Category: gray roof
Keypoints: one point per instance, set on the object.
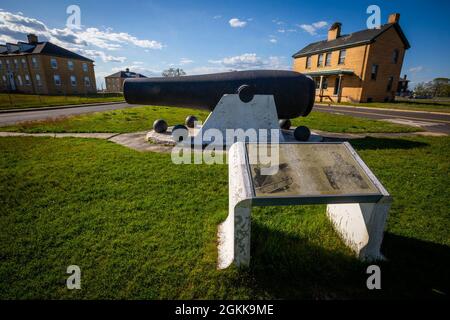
(351, 40)
(48, 48)
(126, 74)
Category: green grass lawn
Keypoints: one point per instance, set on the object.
(20, 101)
(406, 104)
(141, 227)
(141, 118)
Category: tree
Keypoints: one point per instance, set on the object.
(438, 87)
(172, 72)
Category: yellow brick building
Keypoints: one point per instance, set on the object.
(36, 67)
(363, 66)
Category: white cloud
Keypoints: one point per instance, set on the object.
(217, 17)
(15, 27)
(250, 61)
(184, 61)
(138, 68)
(93, 54)
(312, 28)
(236, 23)
(273, 40)
(320, 24)
(416, 69)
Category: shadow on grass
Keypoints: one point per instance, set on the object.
(372, 143)
(288, 267)
(416, 267)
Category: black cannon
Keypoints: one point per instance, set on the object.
(293, 92)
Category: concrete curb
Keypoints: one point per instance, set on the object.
(385, 109)
(60, 107)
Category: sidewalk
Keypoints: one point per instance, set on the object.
(376, 108)
(59, 107)
(137, 140)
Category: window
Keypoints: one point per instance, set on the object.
(374, 72)
(4, 78)
(24, 63)
(308, 62)
(27, 80)
(328, 59)
(7, 64)
(342, 54)
(54, 63)
(1, 64)
(395, 56)
(19, 80)
(57, 79)
(87, 81)
(389, 85)
(325, 83)
(16, 64)
(320, 60)
(85, 67)
(34, 62)
(73, 81)
(38, 80)
(70, 64)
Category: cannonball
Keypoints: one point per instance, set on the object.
(190, 121)
(302, 133)
(180, 132)
(285, 124)
(160, 126)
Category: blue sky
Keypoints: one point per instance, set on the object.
(211, 36)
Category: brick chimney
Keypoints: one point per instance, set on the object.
(32, 38)
(394, 18)
(334, 31)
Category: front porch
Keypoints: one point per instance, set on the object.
(330, 85)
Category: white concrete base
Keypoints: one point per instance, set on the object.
(232, 113)
(234, 233)
(361, 226)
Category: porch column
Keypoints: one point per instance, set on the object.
(340, 88)
(320, 88)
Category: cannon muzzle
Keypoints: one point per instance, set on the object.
(293, 92)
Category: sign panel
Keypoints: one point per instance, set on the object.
(310, 170)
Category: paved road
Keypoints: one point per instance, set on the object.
(15, 117)
(433, 122)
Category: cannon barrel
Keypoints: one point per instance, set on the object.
(293, 92)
